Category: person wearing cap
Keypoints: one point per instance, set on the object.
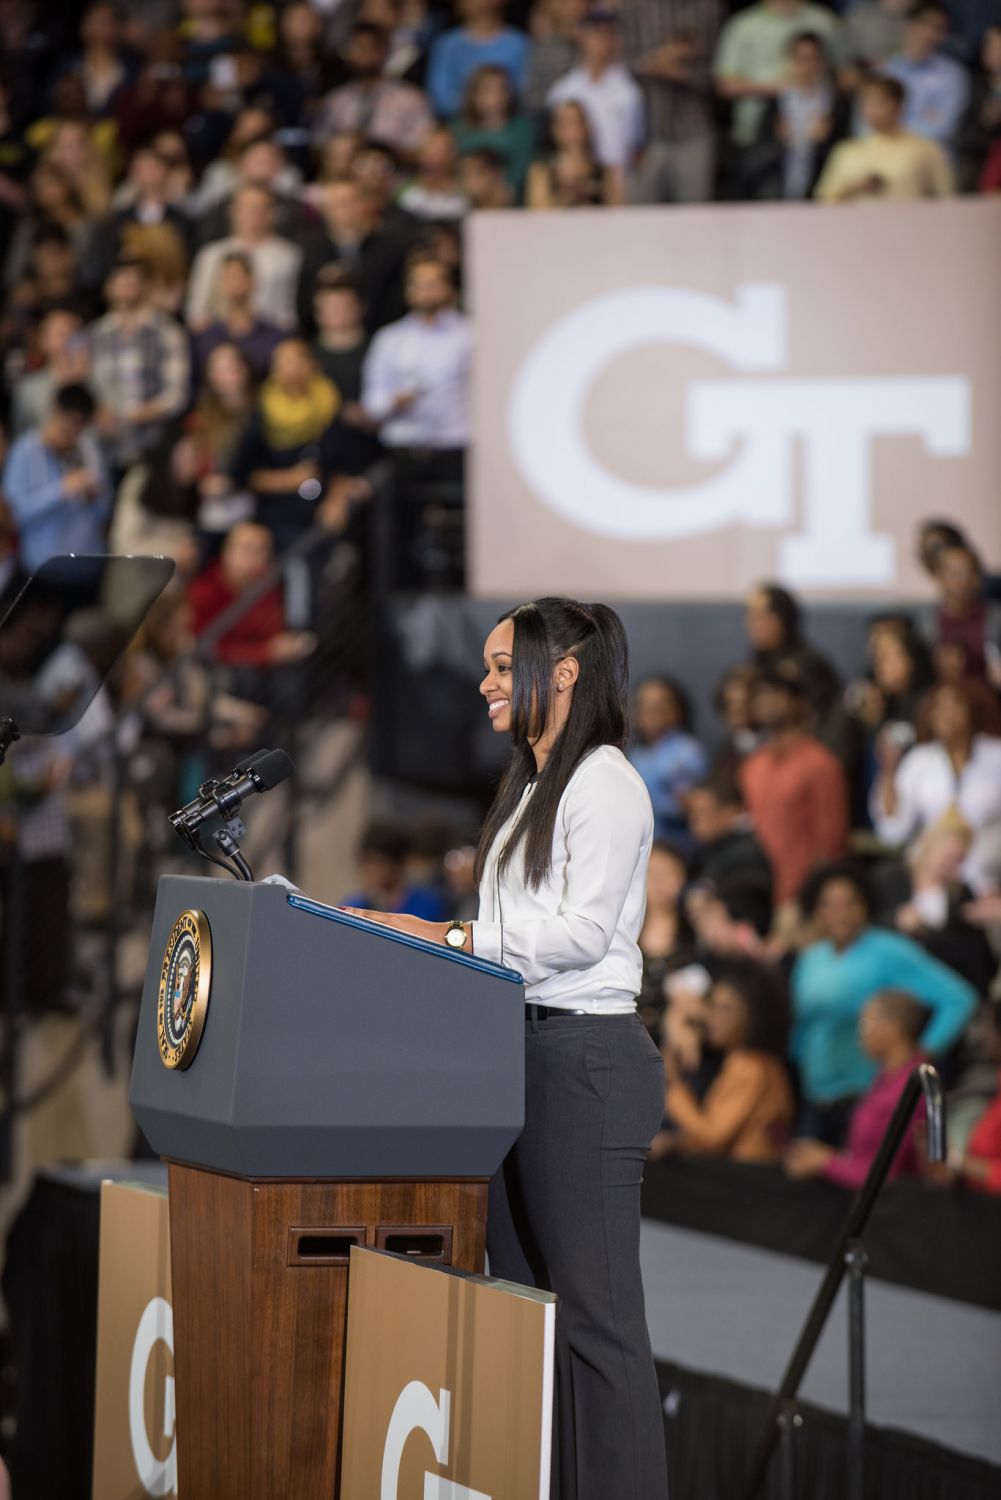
(605, 89)
(794, 787)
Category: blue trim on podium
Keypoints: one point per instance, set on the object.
(440, 950)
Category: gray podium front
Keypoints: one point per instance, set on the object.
(349, 1086)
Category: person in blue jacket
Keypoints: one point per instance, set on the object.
(483, 40)
(834, 977)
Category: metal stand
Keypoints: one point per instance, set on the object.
(856, 1261)
(789, 1420)
(226, 839)
(923, 1081)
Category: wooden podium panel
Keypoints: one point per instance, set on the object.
(260, 1275)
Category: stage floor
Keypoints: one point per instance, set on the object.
(723, 1308)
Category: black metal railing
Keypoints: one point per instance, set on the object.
(848, 1259)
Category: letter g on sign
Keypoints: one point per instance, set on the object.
(416, 1410)
(546, 412)
(157, 1476)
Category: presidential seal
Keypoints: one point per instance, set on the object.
(185, 977)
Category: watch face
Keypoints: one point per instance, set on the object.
(455, 937)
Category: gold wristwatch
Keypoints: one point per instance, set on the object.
(457, 935)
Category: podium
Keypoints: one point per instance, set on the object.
(315, 1082)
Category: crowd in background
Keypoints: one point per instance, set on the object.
(233, 330)
(824, 893)
(824, 903)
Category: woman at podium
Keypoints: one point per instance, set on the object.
(562, 869)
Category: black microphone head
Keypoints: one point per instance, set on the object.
(251, 760)
(269, 768)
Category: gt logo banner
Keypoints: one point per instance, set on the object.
(681, 402)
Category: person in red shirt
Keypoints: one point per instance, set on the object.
(981, 1165)
(259, 637)
(794, 787)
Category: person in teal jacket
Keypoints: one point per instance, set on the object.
(831, 982)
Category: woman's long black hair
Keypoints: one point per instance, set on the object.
(545, 631)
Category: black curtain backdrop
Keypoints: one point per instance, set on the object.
(50, 1287)
(713, 1425)
(943, 1241)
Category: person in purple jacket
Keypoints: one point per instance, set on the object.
(889, 1029)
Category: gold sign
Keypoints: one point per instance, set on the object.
(448, 1388)
(134, 1436)
(185, 977)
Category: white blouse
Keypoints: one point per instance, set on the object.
(927, 786)
(575, 939)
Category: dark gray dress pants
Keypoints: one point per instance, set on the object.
(564, 1215)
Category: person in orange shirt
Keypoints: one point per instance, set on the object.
(748, 1111)
(794, 787)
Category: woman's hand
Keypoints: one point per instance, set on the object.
(431, 932)
(908, 919)
(664, 1143)
(807, 1158)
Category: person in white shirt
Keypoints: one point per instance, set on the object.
(275, 260)
(415, 384)
(956, 767)
(606, 90)
(562, 867)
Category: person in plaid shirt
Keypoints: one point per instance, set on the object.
(669, 45)
(139, 367)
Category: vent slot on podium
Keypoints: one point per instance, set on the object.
(430, 1242)
(322, 1246)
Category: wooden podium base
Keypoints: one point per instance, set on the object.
(259, 1272)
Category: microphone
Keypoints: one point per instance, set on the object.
(223, 799)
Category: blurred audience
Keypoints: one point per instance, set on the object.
(258, 637)
(236, 321)
(936, 87)
(720, 825)
(567, 173)
(888, 161)
(667, 755)
(482, 40)
(964, 631)
(955, 764)
(609, 95)
(794, 788)
(140, 367)
(382, 866)
(56, 483)
(889, 1028)
(275, 263)
(801, 126)
(748, 1110)
(382, 109)
(490, 121)
(669, 45)
(416, 373)
(666, 938)
(833, 979)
